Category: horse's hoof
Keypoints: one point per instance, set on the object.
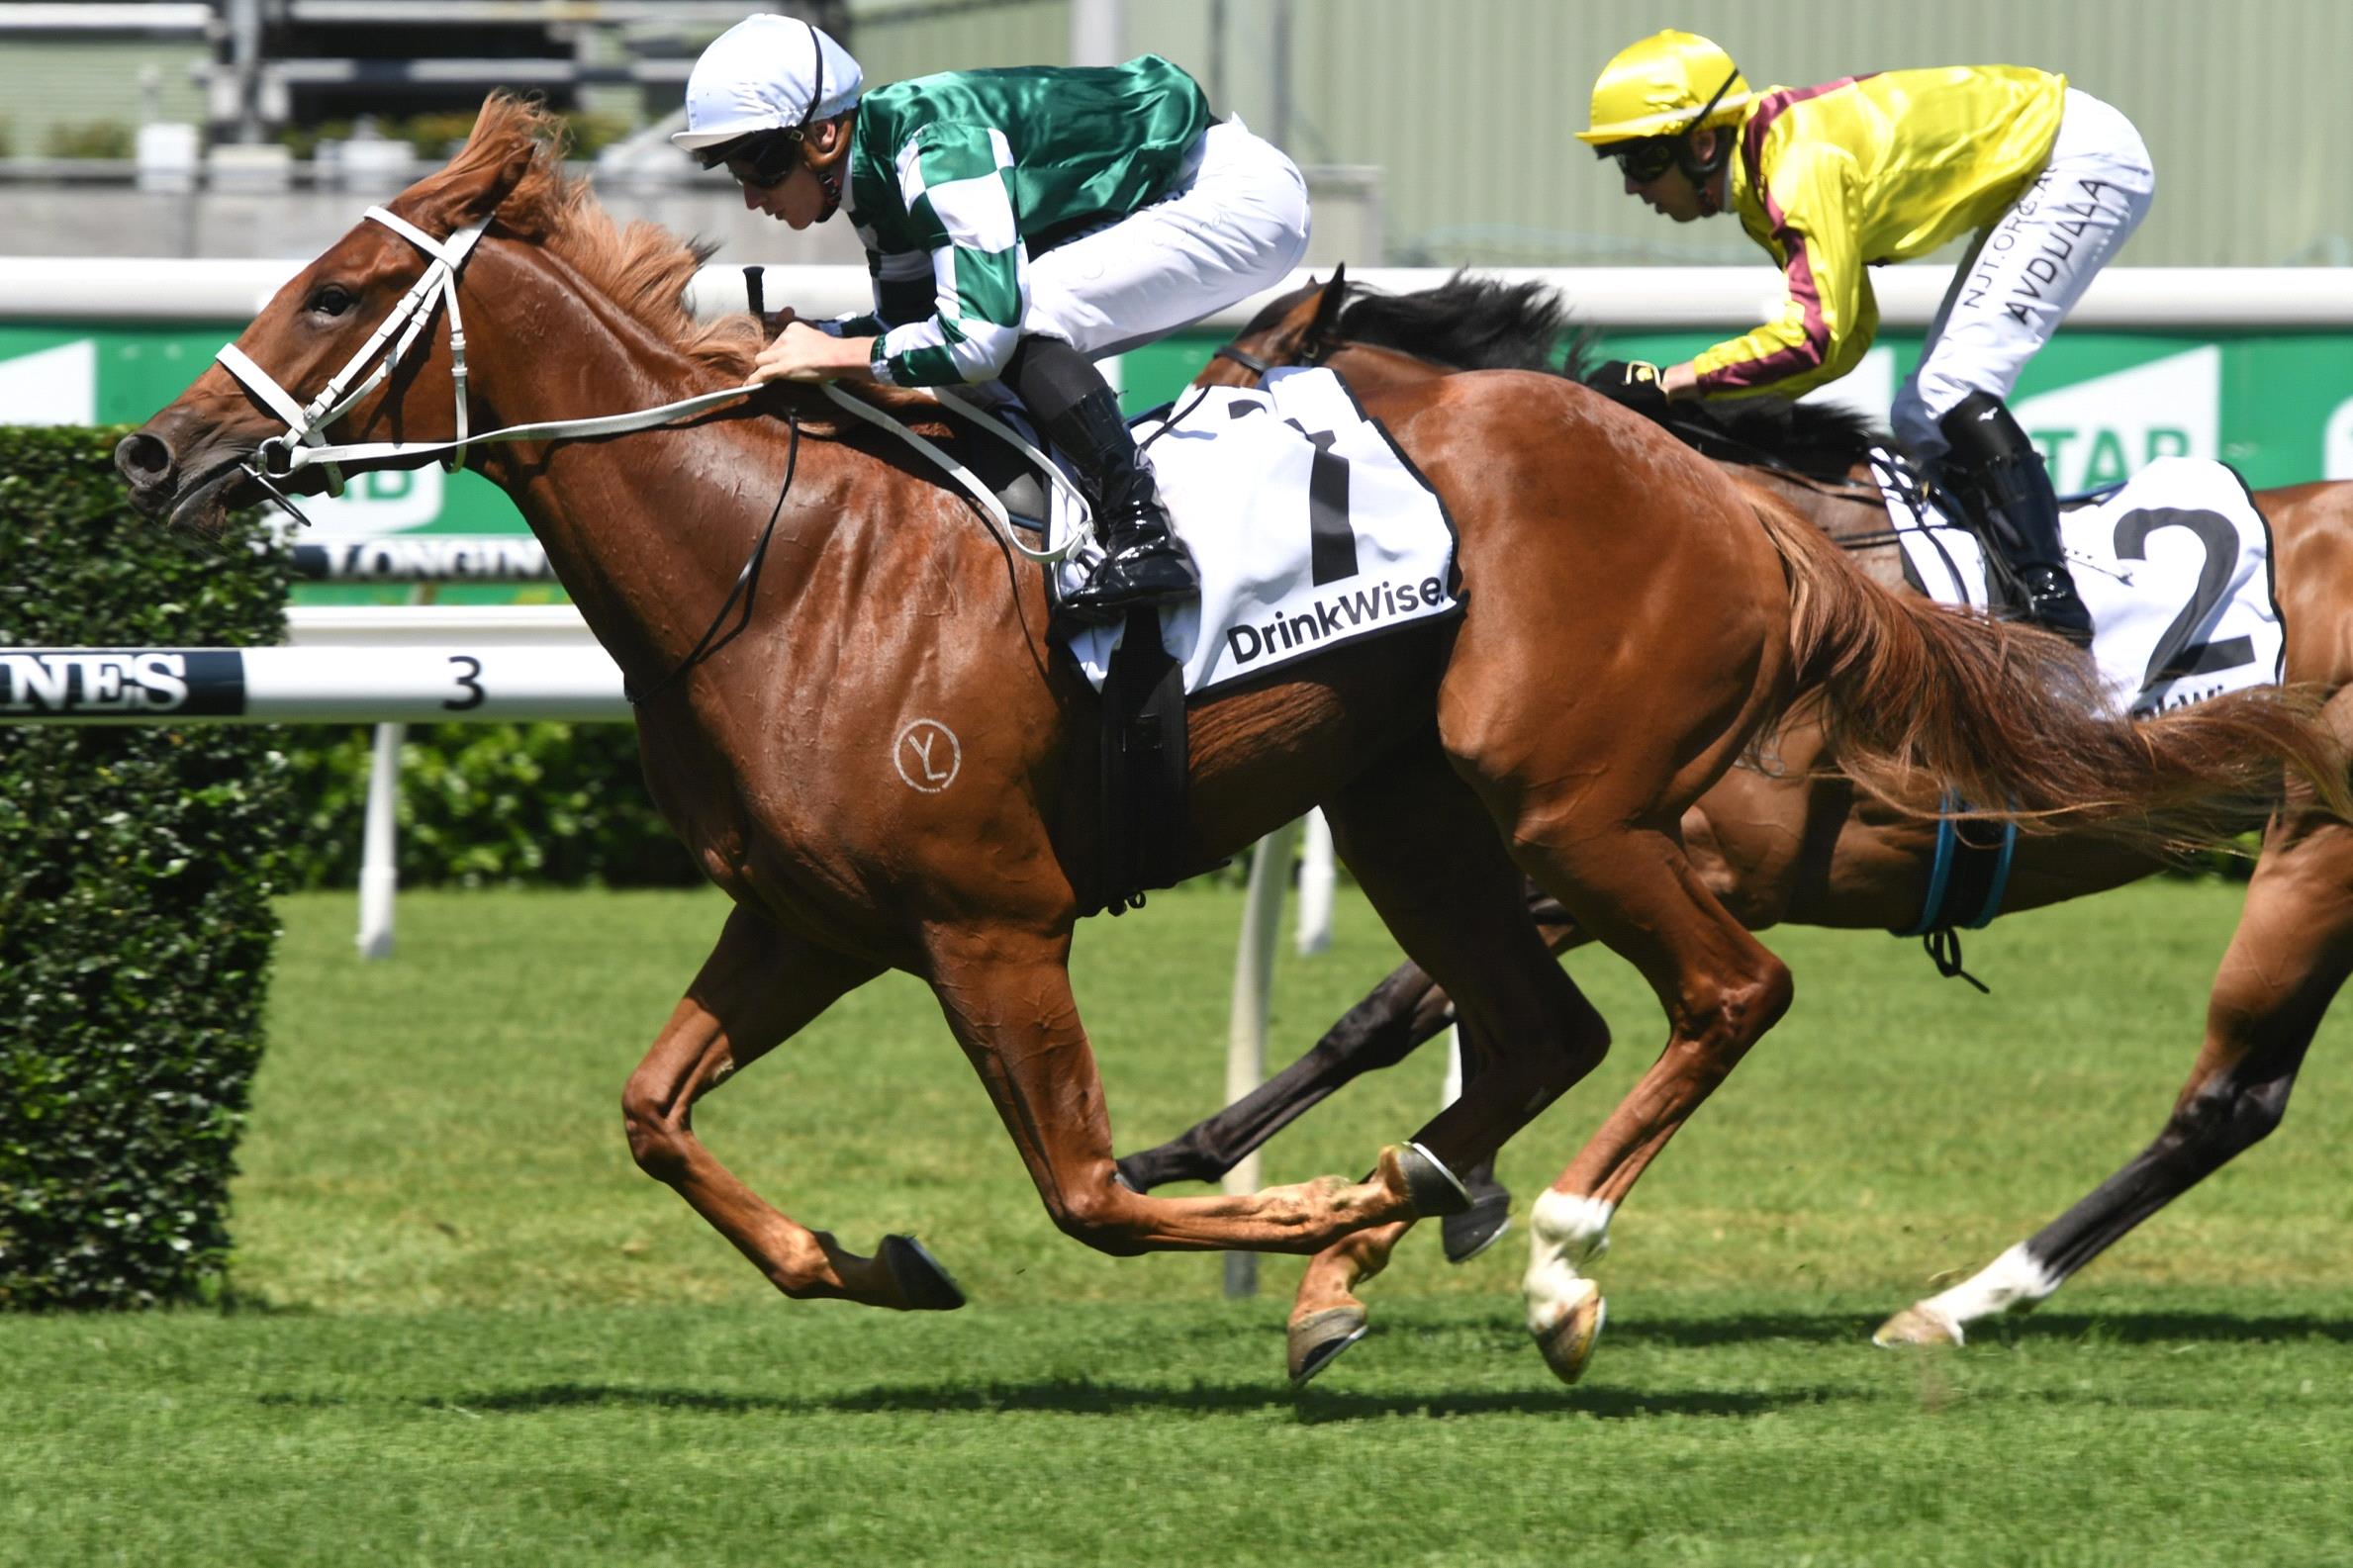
(1477, 1228)
(1317, 1339)
(1568, 1338)
(1917, 1325)
(926, 1286)
(1430, 1187)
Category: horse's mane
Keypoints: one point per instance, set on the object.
(1473, 324)
(1484, 324)
(641, 267)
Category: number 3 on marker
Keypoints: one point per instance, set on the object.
(469, 680)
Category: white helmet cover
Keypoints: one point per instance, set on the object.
(759, 75)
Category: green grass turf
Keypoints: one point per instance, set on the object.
(466, 1330)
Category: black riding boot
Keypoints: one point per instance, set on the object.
(1996, 473)
(1143, 563)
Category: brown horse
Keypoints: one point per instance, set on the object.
(1797, 842)
(872, 745)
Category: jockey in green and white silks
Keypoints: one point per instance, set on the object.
(1018, 224)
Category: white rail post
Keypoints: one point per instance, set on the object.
(379, 848)
(1246, 1025)
(1317, 876)
(379, 837)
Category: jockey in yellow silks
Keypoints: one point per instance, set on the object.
(1833, 179)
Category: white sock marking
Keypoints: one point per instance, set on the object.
(2009, 1282)
(1566, 1231)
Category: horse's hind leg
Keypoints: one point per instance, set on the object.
(1005, 990)
(1399, 1014)
(2285, 962)
(759, 986)
(1428, 858)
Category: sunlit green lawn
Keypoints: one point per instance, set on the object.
(465, 1329)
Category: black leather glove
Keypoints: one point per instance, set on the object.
(1634, 383)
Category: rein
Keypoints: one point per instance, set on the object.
(1250, 362)
(747, 585)
(305, 444)
(1698, 436)
(1310, 357)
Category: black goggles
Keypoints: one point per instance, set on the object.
(1645, 160)
(763, 160)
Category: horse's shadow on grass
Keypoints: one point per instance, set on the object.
(1081, 1397)
(2168, 1328)
(2103, 1328)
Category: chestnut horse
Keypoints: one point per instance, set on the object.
(1800, 843)
(870, 743)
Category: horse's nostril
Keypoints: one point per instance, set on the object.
(142, 459)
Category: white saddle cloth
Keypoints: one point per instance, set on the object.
(1310, 529)
(2175, 567)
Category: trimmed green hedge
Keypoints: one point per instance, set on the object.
(483, 804)
(135, 871)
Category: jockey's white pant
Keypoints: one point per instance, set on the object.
(1234, 223)
(2026, 270)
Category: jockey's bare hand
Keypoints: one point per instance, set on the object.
(802, 353)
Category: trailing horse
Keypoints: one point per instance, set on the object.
(871, 744)
(1799, 843)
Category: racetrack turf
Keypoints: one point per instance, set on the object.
(463, 1329)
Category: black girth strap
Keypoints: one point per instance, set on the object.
(1145, 768)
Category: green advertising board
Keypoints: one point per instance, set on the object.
(68, 374)
(2277, 406)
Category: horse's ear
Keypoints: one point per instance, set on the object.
(503, 175)
(1328, 306)
(476, 181)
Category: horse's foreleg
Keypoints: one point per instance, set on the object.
(758, 987)
(1427, 855)
(1007, 998)
(2286, 961)
(1722, 991)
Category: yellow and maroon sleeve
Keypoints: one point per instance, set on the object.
(1827, 321)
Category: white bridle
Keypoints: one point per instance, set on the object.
(305, 444)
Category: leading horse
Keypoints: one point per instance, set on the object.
(1796, 843)
(872, 745)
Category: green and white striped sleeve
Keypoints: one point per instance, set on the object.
(957, 185)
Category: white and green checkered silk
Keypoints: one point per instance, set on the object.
(955, 178)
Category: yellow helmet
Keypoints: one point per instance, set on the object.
(1669, 83)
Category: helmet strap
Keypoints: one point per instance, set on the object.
(1702, 171)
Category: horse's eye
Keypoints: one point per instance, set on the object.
(332, 299)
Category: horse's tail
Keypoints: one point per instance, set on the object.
(1915, 698)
